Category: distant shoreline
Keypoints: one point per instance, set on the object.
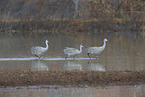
(67, 25)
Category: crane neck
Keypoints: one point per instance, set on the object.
(104, 44)
(46, 45)
(80, 48)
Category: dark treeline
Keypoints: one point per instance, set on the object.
(71, 15)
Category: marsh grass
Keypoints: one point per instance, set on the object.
(60, 16)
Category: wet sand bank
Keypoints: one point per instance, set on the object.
(71, 78)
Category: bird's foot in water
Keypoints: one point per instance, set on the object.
(74, 58)
(97, 58)
(39, 58)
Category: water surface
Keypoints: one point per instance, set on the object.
(123, 91)
(124, 51)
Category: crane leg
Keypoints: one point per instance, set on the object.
(89, 56)
(37, 56)
(97, 57)
(66, 57)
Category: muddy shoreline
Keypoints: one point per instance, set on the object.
(71, 78)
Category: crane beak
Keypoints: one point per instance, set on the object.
(82, 45)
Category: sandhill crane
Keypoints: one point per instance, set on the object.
(72, 51)
(96, 50)
(39, 51)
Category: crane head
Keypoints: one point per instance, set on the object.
(81, 45)
(105, 40)
(47, 41)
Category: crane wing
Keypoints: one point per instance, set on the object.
(70, 50)
(37, 50)
(92, 49)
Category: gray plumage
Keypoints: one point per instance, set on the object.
(96, 50)
(39, 51)
(72, 51)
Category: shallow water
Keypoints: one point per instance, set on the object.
(38, 91)
(124, 51)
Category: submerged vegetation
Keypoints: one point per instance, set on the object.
(71, 15)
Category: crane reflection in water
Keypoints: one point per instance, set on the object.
(72, 65)
(38, 65)
(95, 66)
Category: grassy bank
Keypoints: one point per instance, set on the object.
(71, 78)
(66, 25)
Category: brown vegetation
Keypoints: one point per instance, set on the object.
(71, 78)
(71, 15)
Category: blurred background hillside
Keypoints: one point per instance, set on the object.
(71, 15)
